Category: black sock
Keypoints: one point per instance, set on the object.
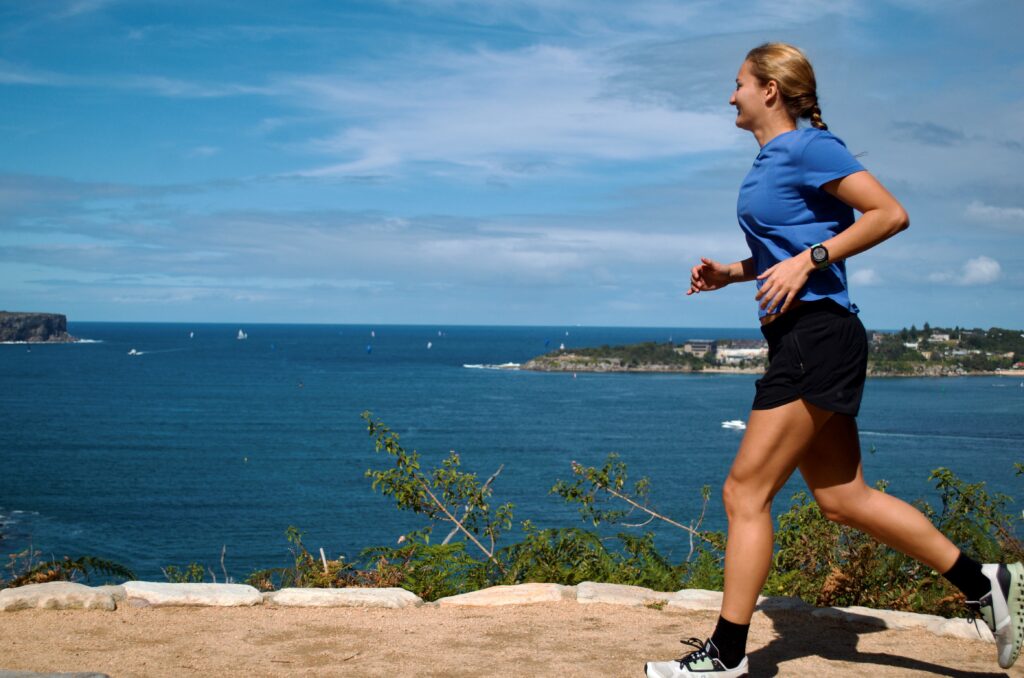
(731, 641)
(966, 575)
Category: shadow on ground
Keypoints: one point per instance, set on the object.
(793, 642)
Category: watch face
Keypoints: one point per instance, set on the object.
(819, 255)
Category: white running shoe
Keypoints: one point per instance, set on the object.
(1002, 609)
(703, 661)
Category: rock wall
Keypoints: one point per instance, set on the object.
(34, 327)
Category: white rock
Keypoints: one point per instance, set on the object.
(512, 595)
(117, 592)
(57, 595)
(961, 628)
(144, 593)
(619, 594)
(345, 597)
(696, 599)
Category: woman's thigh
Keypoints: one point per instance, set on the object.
(832, 466)
(773, 445)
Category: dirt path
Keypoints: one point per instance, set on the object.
(555, 639)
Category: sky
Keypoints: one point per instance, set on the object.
(443, 162)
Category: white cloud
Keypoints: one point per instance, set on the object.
(491, 110)
(606, 19)
(78, 7)
(980, 270)
(203, 151)
(979, 211)
(866, 277)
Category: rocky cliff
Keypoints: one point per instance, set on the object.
(34, 327)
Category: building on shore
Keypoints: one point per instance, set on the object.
(741, 356)
(701, 348)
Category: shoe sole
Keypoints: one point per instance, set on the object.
(1014, 632)
(711, 674)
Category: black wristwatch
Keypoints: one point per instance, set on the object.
(819, 256)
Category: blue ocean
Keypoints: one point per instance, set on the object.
(202, 441)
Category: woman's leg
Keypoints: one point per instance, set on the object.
(832, 470)
(774, 443)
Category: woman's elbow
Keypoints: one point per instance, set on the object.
(900, 220)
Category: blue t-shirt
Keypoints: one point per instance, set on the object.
(783, 210)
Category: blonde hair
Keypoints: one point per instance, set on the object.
(790, 68)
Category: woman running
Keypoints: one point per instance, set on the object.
(796, 208)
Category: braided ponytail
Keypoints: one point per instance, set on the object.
(815, 117)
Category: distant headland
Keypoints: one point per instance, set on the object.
(34, 328)
(908, 352)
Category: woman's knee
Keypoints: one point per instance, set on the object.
(744, 500)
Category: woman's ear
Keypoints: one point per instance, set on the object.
(771, 92)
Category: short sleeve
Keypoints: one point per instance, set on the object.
(826, 158)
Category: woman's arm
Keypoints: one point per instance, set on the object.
(710, 275)
(882, 217)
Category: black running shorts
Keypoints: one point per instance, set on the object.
(819, 352)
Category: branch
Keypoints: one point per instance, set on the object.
(465, 514)
(653, 514)
(646, 522)
(459, 525)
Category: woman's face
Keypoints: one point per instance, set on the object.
(748, 98)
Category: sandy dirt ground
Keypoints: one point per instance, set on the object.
(552, 639)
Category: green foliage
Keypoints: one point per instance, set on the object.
(585, 490)
(995, 340)
(27, 567)
(558, 556)
(193, 573)
(572, 555)
(975, 520)
(431, 571)
(306, 570)
(445, 494)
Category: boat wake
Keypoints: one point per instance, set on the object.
(941, 436)
(502, 366)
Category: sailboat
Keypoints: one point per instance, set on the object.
(242, 335)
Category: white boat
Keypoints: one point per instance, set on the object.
(735, 424)
(191, 334)
(242, 335)
(134, 352)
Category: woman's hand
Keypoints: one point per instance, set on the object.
(709, 276)
(783, 281)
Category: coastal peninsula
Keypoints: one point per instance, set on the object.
(34, 328)
(908, 352)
